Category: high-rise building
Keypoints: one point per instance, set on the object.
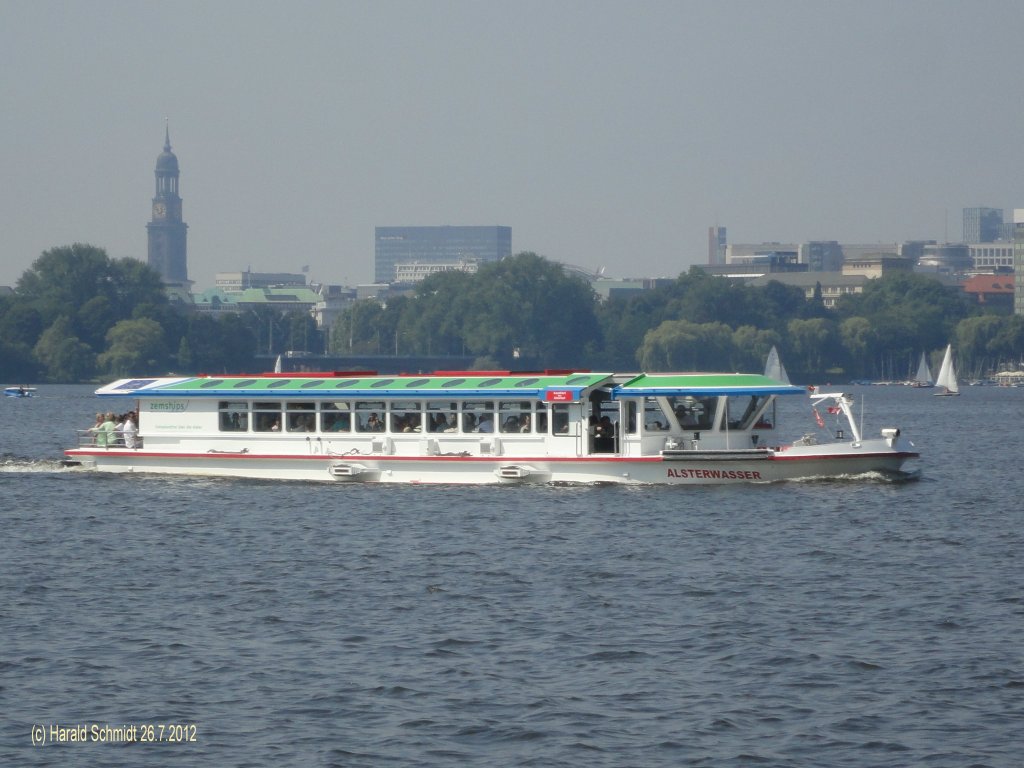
(167, 252)
(436, 245)
(1018, 261)
(982, 225)
(717, 243)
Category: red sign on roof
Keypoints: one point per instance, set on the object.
(558, 396)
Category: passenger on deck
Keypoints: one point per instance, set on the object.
(129, 430)
(105, 434)
(95, 428)
(604, 436)
(486, 425)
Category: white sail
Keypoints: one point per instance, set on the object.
(923, 378)
(277, 365)
(947, 374)
(774, 369)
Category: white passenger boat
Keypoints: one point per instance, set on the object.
(486, 427)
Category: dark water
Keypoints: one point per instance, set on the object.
(837, 623)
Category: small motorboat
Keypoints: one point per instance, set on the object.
(20, 392)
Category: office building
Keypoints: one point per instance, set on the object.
(436, 245)
(717, 243)
(982, 225)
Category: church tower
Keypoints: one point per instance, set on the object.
(167, 247)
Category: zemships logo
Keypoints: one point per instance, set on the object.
(170, 406)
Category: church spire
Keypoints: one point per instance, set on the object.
(167, 134)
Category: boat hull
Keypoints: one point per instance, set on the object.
(675, 468)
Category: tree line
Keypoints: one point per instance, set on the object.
(78, 315)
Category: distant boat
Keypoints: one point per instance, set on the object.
(923, 377)
(20, 392)
(946, 379)
(774, 369)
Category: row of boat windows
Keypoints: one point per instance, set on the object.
(523, 416)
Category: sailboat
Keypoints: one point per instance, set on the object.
(923, 377)
(946, 379)
(774, 369)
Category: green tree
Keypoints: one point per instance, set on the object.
(135, 348)
(751, 346)
(858, 339)
(530, 305)
(17, 363)
(65, 279)
(680, 345)
(64, 356)
(19, 322)
(815, 342)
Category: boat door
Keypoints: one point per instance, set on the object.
(604, 421)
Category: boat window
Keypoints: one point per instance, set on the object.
(301, 417)
(233, 416)
(345, 383)
(244, 383)
(515, 416)
(441, 416)
(577, 380)
(370, 415)
(266, 417)
(211, 383)
(279, 383)
(560, 418)
(453, 382)
(540, 422)
(416, 383)
(406, 416)
(741, 410)
(526, 382)
(655, 419)
(335, 417)
(314, 383)
(694, 412)
(630, 408)
(381, 383)
(478, 416)
(489, 382)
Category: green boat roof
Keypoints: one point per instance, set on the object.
(704, 384)
(557, 387)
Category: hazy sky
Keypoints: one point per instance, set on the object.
(604, 133)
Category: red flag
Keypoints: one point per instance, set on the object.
(833, 409)
(817, 418)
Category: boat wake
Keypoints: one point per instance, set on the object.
(22, 464)
(886, 478)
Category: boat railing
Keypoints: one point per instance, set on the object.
(89, 438)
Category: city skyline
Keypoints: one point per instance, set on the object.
(605, 135)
